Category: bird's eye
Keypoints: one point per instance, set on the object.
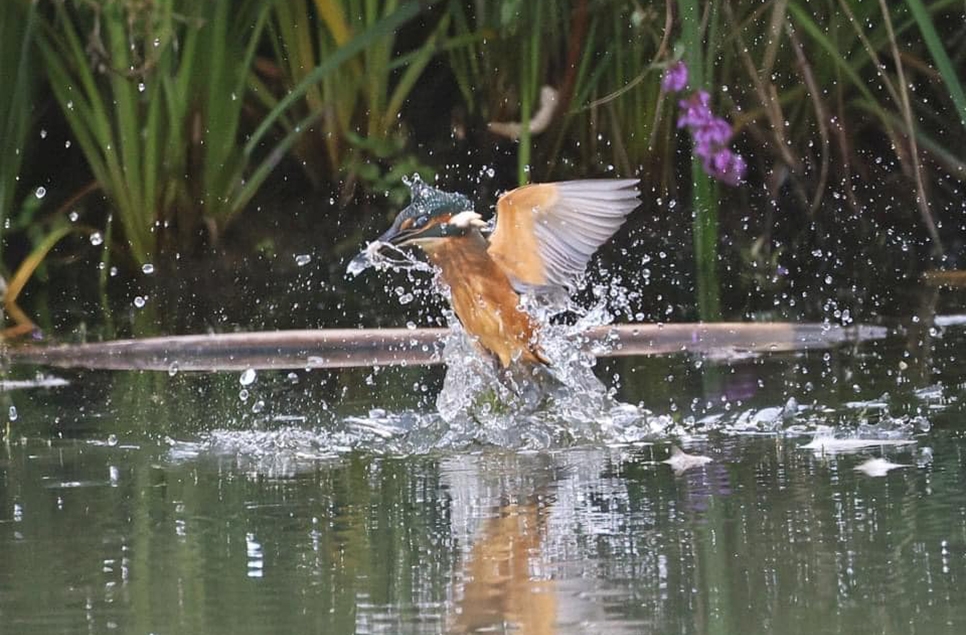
(420, 222)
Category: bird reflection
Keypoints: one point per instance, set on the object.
(504, 587)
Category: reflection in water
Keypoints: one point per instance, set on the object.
(502, 576)
(575, 541)
(171, 503)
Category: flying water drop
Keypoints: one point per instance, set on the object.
(248, 377)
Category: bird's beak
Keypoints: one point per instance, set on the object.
(394, 236)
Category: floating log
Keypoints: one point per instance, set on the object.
(955, 279)
(344, 348)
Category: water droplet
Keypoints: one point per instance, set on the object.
(141, 87)
(173, 369)
(147, 268)
(12, 413)
(41, 192)
(97, 239)
(112, 440)
(303, 259)
(258, 406)
(73, 216)
(43, 134)
(139, 301)
(243, 394)
(248, 377)
(67, 143)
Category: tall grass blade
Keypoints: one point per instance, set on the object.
(158, 111)
(939, 55)
(380, 29)
(16, 36)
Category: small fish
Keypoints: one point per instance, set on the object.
(681, 461)
(377, 254)
(878, 467)
(366, 258)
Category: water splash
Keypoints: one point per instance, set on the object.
(536, 407)
(526, 407)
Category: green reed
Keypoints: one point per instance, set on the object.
(340, 58)
(182, 109)
(939, 55)
(154, 94)
(17, 76)
(855, 47)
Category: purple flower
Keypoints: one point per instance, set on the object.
(711, 137)
(725, 165)
(675, 78)
(714, 133)
(697, 110)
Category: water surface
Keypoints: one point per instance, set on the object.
(318, 501)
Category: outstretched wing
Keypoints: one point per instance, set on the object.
(546, 233)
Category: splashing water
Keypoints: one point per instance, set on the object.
(537, 407)
(480, 404)
(524, 407)
(532, 407)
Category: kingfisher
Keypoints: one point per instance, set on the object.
(542, 238)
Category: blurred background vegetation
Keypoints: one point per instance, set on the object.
(153, 135)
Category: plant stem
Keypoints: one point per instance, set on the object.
(705, 229)
(703, 201)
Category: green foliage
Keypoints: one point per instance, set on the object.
(938, 52)
(341, 57)
(597, 56)
(809, 75)
(183, 109)
(17, 23)
(154, 94)
(383, 165)
(802, 80)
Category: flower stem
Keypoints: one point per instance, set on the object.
(703, 200)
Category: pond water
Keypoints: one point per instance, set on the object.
(324, 501)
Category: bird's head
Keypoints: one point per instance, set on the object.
(430, 218)
(432, 215)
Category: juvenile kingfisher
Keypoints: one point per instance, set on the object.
(543, 237)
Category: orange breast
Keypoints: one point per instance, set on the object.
(484, 301)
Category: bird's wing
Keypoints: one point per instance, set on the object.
(546, 233)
